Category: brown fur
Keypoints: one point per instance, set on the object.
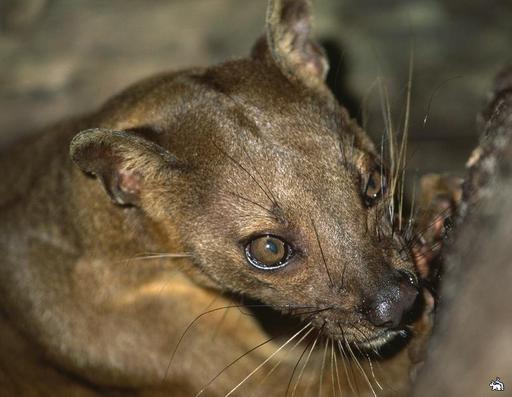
(83, 316)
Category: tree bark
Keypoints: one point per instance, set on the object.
(472, 342)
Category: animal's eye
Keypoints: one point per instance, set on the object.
(267, 252)
(375, 187)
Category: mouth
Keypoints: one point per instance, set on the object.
(386, 341)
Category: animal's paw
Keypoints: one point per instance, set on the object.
(422, 329)
(439, 198)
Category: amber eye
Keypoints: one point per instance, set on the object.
(267, 252)
(375, 187)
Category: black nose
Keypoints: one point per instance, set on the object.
(393, 302)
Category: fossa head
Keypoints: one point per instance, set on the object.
(261, 175)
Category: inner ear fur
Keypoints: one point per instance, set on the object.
(122, 161)
(290, 42)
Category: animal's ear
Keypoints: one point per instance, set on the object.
(123, 162)
(290, 43)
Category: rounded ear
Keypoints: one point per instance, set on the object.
(290, 43)
(122, 162)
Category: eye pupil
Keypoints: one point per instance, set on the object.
(267, 252)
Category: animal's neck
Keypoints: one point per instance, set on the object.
(139, 310)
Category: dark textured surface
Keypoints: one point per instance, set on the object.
(59, 58)
(472, 343)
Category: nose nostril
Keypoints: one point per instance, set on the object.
(383, 314)
(393, 304)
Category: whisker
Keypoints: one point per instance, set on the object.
(388, 123)
(295, 368)
(322, 253)
(252, 202)
(160, 256)
(362, 370)
(419, 233)
(364, 105)
(388, 383)
(243, 169)
(233, 363)
(316, 311)
(405, 133)
(274, 200)
(344, 358)
(390, 133)
(322, 369)
(433, 248)
(337, 372)
(439, 214)
(217, 328)
(197, 318)
(269, 358)
(278, 363)
(183, 336)
(332, 368)
(345, 355)
(256, 216)
(370, 364)
(437, 88)
(408, 230)
(374, 350)
(306, 362)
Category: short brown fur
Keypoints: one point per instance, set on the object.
(194, 163)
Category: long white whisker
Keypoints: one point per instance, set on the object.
(343, 359)
(337, 372)
(162, 256)
(388, 126)
(270, 358)
(230, 365)
(276, 365)
(322, 369)
(410, 222)
(370, 364)
(332, 368)
(362, 370)
(304, 365)
(364, 104)
(405, 135)
(385, 379)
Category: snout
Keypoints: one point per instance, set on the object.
(393, 302)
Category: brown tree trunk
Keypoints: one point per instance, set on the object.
(472, 342)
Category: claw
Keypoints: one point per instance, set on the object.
(439, 197)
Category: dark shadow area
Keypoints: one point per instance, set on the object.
(337, 78)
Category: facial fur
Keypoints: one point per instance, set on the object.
(273, 157)
(197, 165)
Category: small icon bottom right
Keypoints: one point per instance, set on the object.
(497, 385)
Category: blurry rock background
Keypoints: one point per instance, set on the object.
(63, 57)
